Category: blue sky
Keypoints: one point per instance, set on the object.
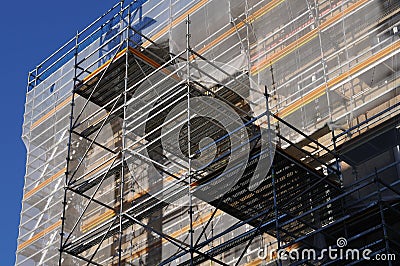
(30, 31)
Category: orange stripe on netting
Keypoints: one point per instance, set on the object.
(321, 90)
(275, 57)
(39, 235)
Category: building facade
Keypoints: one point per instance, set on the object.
(207, 132)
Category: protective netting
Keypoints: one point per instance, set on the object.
(331, 60)
(322, 62)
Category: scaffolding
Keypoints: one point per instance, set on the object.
(194, 134)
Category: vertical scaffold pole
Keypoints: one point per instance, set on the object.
(382, 215)
(276, 213)
(71, 123)
(188, 49)
(123, 153)
(337, 163)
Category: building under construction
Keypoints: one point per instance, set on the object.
(217, 132)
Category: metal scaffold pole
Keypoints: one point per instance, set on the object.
(382, 215)
(123, 149)
(68, 167)
(271, 155)
(191, 232)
